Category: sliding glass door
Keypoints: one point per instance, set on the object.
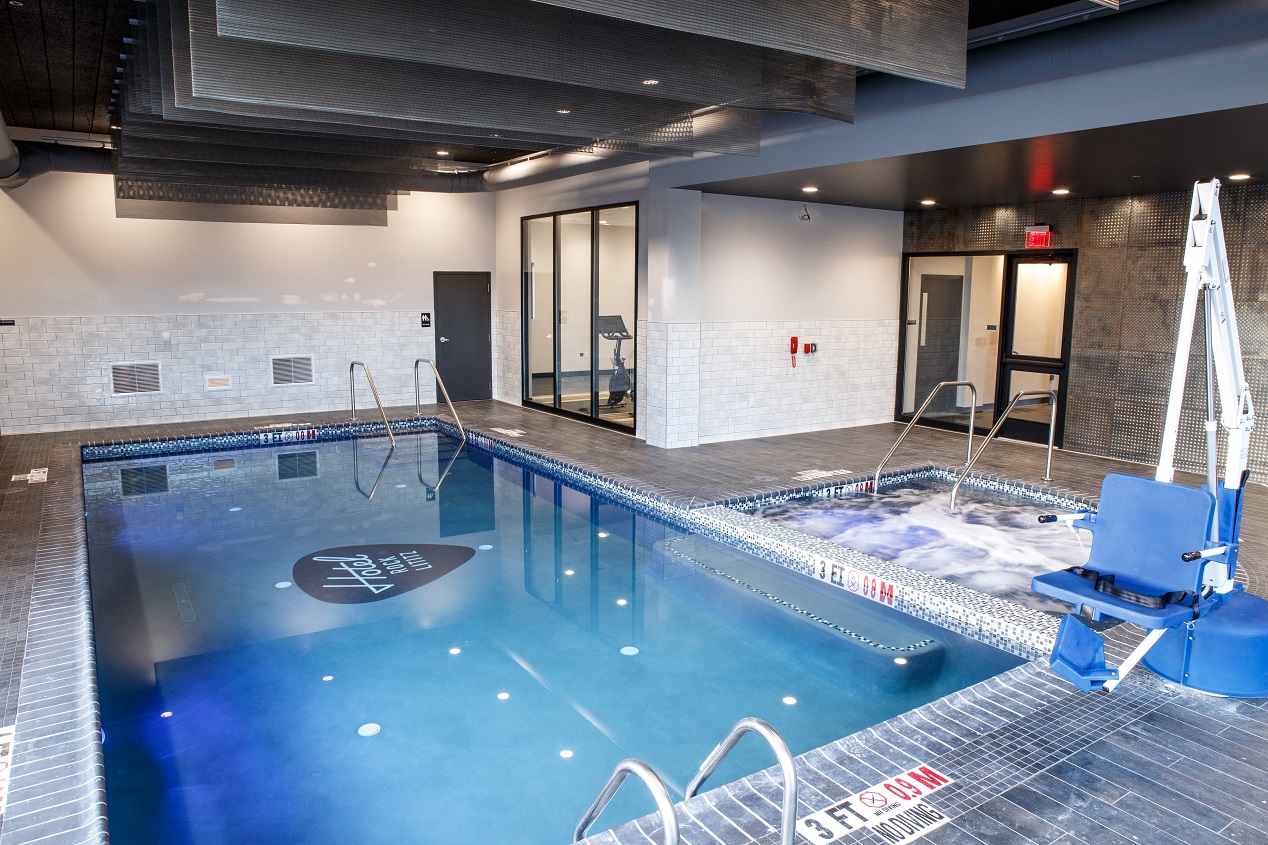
(579, 310)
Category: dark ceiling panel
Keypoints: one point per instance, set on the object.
(30, 50)
(568, 47)
(921, 39)
(1137, 158)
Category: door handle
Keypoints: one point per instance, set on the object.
(444, 340)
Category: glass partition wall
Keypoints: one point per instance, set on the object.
(579, 311)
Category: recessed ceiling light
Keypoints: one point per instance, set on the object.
(651, 81)
(17, 3)
(442, 152)
(563, 111)
(1060, 192)
(1239, 177)
(810, 189)
(928, 202)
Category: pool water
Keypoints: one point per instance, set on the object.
(284, 659)
(993, 543)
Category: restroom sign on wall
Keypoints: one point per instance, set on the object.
(894, 809)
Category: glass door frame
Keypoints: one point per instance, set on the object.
(525, 370)
(1008, 364)
(1011, 259)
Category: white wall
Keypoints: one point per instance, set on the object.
(760, 261)
(88, 289)
(65, 253)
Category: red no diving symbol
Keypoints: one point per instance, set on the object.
(873, 799)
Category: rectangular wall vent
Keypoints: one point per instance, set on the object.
(219, 382)
(296, 369)
(296, 465)
(141, 481)
(140, 377)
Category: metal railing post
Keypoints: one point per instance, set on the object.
(352, 384)
(876, 479)
(1052, 435)
(750, 724)
(644, 772)
(418, 403)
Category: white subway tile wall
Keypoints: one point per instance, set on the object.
(507, 357)
(669, 384)
(749, 388)
(55, 371)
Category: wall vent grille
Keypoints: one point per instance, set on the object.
(140, 377)
(142, 481)
(296, 465)
(293, 369)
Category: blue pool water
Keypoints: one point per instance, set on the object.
(993, 543)
(256, 614)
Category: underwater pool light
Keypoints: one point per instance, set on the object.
(789, 700)
(603, 534)
(900, 661)
(234, 510)
(400, 487)
(368, 729)
(455, 650)
(570, 572)
(485, 547)
(566, 753)
(622, 602)
(282, 585)
(166, 714)
(629, 651)
(327, 677)
(503, 696)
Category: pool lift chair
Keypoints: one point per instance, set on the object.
(1164, 555)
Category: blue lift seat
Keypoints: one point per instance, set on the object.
(1139, 533)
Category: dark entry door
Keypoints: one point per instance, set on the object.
(938, 337)
(1035, 344)
(464, 347)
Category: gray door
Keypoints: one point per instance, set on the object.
(938, 338)
(464, 349)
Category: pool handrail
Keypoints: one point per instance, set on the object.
(645, 773)
(419, 460)
(876, 478)
(1052, 433)
(751, 724)
(352, 386)
(418, 404)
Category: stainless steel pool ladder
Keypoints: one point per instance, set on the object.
(356, 468)
(644, 772)
(1052, 433)
(876, 479)
(418, 402)
(352, 387)
(750, 724)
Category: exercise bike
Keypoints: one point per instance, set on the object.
(612, 327)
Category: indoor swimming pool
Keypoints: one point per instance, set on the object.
(993, 543)
(305, 644)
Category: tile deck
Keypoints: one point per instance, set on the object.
(1033, 761)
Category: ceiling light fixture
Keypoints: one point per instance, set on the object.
(810, 189)
(1060, 192)
(928, 202)
(651, 81)
(1239, 177)
(442, 152)
(563, 111)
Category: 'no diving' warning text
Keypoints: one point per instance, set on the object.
(895, 809)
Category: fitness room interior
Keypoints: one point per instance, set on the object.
(473, 420)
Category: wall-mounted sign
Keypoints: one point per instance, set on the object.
(896, 809)
(1038, 237)
(425, 319)
(358, 574)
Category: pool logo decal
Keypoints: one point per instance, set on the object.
(359, 574)
(896, 809)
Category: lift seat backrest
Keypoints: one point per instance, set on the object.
(1142, 528)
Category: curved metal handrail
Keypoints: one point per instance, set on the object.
(356, 468)
(418, 404)
(876, 479)
(1052, 433)
(644, 772)
(750, 724)
(352, 385)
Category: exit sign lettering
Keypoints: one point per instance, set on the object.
(1038, 237)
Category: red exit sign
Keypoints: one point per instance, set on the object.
(1038, 237)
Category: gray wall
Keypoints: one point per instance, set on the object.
(1128, 290)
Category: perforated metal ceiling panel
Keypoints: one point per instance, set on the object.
(922, 39)
(567, 47)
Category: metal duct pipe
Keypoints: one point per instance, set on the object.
(22, 161)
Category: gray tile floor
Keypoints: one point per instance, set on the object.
(1033, 761)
